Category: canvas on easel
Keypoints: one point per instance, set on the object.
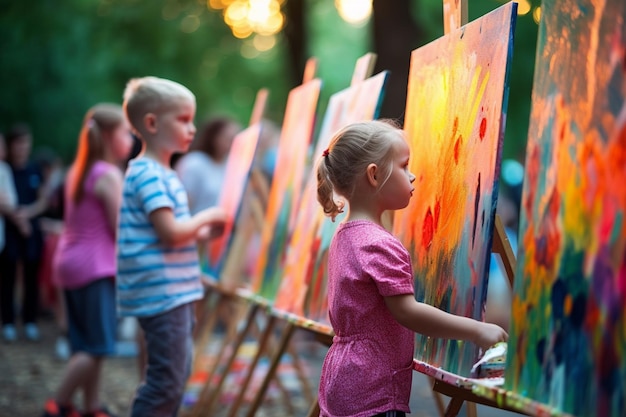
(283, 195)
(455, 117)
(359, 102)
(567, 345)
(237, 170)
(296, 133)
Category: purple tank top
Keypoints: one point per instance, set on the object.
(86, 249)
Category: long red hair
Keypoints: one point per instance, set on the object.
(100, 119)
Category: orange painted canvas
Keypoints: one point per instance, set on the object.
(237, 170)
(303, 286)
(286, 188)
(455, 119)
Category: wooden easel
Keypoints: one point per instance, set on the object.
(363, 69)
(222, 293)
(207, 320)
(210, 394)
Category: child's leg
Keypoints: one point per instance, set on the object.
(7, 289)
(30, 306)
(169, 347)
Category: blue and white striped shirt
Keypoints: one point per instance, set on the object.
(153, 278)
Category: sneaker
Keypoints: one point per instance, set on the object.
(62, 348)
(52, 409)
(9, 334)
(31, 331)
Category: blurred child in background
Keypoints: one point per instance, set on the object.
(85, 262)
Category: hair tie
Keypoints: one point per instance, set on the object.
(325, 153)
(90, 123)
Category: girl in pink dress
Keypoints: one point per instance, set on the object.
(368, 369)
(84, 264)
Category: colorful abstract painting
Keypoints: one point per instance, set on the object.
(237, 170)
(455, 119)
(313, 231)
(567, 345)
(286, 188)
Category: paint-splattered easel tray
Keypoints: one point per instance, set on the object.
(485, 391)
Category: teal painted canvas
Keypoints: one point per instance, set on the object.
(567, 344)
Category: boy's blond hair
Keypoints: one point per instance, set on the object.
(151, 95)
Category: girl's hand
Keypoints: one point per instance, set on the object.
(489, 334)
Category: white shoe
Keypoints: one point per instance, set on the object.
(62, 348)
(31, 331)
(9, 333)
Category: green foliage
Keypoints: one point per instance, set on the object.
(61, 57)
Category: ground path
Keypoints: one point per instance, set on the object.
(29, 374)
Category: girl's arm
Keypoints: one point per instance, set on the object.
(430, 321)
(173, 232)
(108, 188)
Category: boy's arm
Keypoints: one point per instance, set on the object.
(173, 232)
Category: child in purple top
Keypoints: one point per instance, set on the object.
(373, 310)
(85, 264)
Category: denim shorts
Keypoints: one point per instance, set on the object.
(91, 317)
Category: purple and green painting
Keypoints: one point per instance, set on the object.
(286, 188)
(303, 288)
(567, 345)
(455, 119)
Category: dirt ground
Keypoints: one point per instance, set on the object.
(30, 373)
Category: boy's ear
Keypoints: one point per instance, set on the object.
(370, 173)
(150, 122)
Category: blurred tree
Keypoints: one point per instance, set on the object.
(396, 34)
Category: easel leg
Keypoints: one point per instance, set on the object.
(471, 409)
(314, 411)
(284, 341)
(304, 382)
(262, 344)
(228, 340)
(207, 318)
(438, 400)
(209, 394)
(454, 406)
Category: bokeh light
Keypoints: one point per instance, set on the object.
(537, 14)
(354, 12)
(248, 17)
(523, 7)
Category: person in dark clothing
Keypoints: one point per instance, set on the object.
(23, 237)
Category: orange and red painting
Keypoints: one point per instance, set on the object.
(567, 345)
(455, 119)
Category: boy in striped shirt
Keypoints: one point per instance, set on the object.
(158, 277)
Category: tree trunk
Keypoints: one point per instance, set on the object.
(296, 40)
(395, 36)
